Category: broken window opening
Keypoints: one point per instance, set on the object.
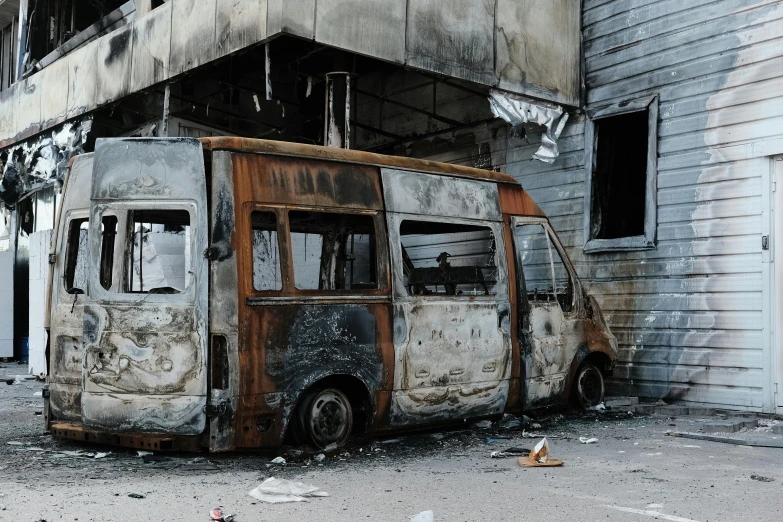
(621, 196)
(8, 54)
(333, 251)
(620, 176)
(448, 259)
(266, 252)
(543, 268)
(76, 256)
(159, 256)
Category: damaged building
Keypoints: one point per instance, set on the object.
(649, 131)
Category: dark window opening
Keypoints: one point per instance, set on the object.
(333, 251)
(266, 252)
(620, 176)
(158, 254)
(76, 256)
(544, 271)
(108, 235)
(448, 259)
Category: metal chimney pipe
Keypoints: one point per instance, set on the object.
(337, 124)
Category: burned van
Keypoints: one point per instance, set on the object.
(232, 293)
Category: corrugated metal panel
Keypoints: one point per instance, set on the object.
(688, 315)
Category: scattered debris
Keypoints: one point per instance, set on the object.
(518, 110)
(482, 425)
(153, 458)
(498, 455)
(597, 407)
(490, 440)
(141, 453)
(762, 478)
(585, 440)
(217, 514)
(510, 422)
(135, 495)
(539, 456)
(331, 447)
(320, 457)
(278, 460)
(536, 426)
(276, 491)
(424, 516)
(14, 443)
(725, 440)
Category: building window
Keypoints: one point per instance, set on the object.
(266, 252)
(448, 259)
(333, 251)
(621, 189)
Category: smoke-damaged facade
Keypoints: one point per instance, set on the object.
(680, 255)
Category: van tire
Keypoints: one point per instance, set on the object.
(324, 417)
(588, 386)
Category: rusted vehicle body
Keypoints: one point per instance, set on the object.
(229, 293)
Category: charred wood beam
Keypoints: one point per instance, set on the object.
(428, 135)
(221, 111)
(378, 131)
(411, 108)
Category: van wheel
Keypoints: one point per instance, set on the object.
(589, 386)
(325, 417)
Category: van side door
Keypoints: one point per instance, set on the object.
(551, 326)
(451, 305)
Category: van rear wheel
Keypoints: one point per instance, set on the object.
(589, 386)
(325, 417)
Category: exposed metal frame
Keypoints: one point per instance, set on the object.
(647, 240)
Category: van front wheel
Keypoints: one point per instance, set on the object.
(325, 418)
(589, 386)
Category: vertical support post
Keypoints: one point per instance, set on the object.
(337, 123)
(143, 7)
(268, 72)
(21, 43)
(164, 125)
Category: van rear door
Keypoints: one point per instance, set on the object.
(145, 323)
(69, 284)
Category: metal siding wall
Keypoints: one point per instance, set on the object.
(688, 315)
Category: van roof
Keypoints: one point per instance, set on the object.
(284, 148)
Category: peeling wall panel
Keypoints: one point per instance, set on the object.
(456, 41)
(193, 40)
(371, 27)
(538, 48)
(239, 24)
(295, 17)
(151, 48)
